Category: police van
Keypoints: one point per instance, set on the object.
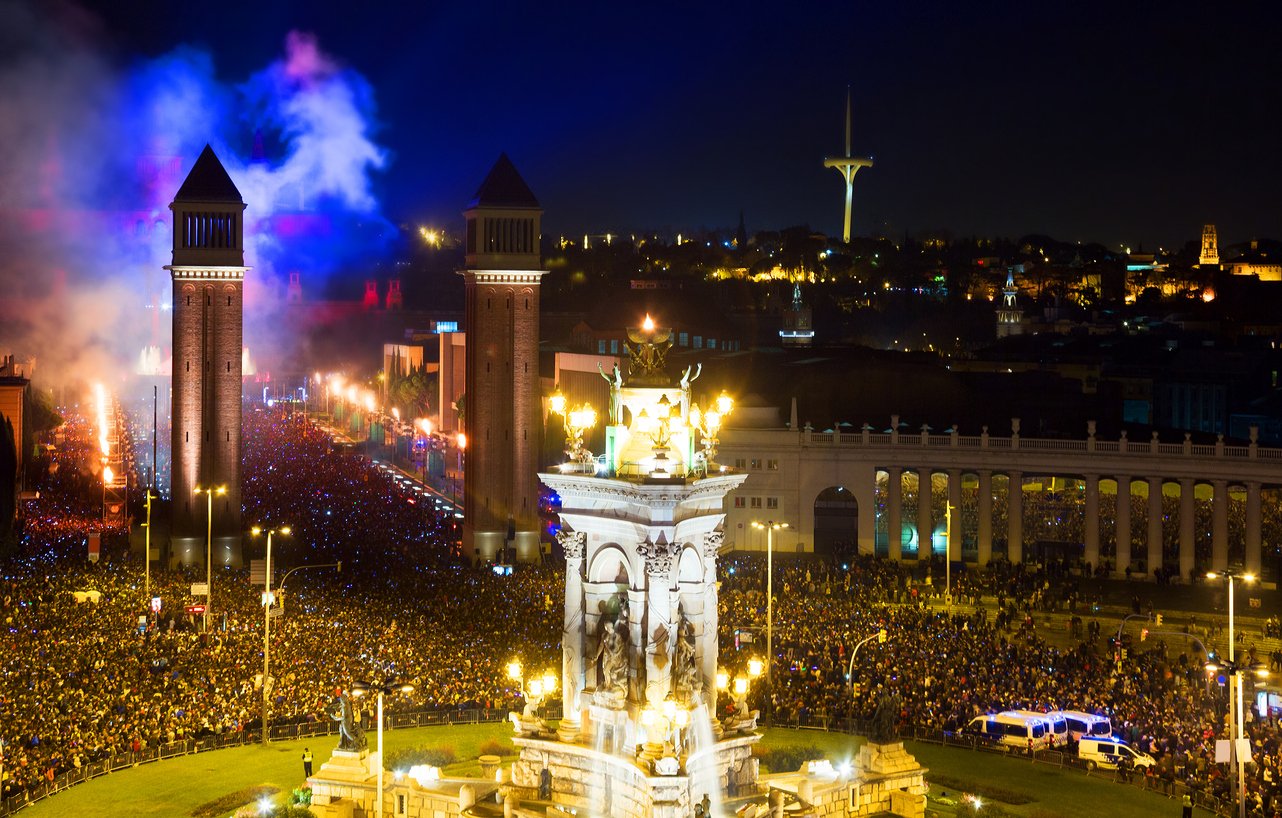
(1086, 725)
(1107, 753)
(1058, 724)
(1012, 729)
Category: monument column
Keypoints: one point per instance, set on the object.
(1015, 518)
(709, 648)
(657, 629)
(1186, 529)
(1091, 520)
(955, 519)
(924, 500)
(1253, 528)
(574, 543)
(1154, 559)
(985, 533)
(1220, 525)
(894, 512)
(1123, 525)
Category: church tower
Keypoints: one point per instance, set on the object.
(208, 273)
(502, 409)
(1009, 317)
(1210, 255)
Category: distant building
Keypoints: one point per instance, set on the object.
(13, 404)
(1256, 262)
(1210, 255)
(1010, 318)
(798, 323)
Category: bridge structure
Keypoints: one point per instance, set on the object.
(790, 471)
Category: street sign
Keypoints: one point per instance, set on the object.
(195, 609)
(155, 604)
(275, 613)
(200, 589)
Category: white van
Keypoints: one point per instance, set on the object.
(1012, 729)
(1058, 724)
(1086, 725)
(1107, 752)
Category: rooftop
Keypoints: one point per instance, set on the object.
(208, 182)
(504, 187)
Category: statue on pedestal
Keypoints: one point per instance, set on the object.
(351, 736)
(687, 679)
(885, 721)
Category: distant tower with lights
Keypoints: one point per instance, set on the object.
(1210, 255)
(208, 273)
(502, 413)
(798, 324)
(1009, 316)
(848, 166)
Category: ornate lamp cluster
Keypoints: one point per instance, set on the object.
(708, 425)
(576, 422)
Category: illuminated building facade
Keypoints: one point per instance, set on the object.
(502, 413)
(208, 273)
(1210, 255)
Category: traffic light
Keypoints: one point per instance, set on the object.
(1143, 634)
(1158, 620)
(1124, 654)
(882, 636)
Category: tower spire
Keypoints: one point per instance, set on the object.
(848, 166)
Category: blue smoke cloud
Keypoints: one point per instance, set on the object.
(92, 152)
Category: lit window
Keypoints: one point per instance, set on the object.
(683, 339)
(600, 347)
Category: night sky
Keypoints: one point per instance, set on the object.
(1119, 122)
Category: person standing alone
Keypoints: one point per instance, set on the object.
(307, 762)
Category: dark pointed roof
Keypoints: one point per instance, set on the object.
(208, 182)
(504, 187)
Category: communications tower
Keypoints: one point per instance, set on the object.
(848, 166)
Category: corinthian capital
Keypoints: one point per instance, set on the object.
(573, 543)
(658, 556)
(712, 542)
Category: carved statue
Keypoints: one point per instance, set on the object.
(885, 721)
(685, 665)
(351, 736)
(614, 651)
(686, 380)
(616, 383)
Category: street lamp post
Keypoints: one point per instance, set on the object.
(1235, 696)
(267, 614)
(209, 546)
(361, 688)
(147, 557)
(770, 527)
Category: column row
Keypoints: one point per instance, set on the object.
(1124, 556)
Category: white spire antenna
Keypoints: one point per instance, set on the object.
(848, 166)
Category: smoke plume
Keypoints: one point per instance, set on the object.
(92, 150)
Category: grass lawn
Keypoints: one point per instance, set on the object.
(176, 787)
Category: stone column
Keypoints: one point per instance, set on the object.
(1186, 529)
(955, 524)
(1154, 525)
(574, 543)
(1253, 528)
(1220, 525)
(894, 512)
(985, 532)
(923, 514)
(1015, 518)
(1091, 520)
(1123, 524)
(658, 627)
(709, 647)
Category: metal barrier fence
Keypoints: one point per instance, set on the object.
(1174, 789)
(427, 718)
(277, 732)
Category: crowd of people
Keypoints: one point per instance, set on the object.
(946, 669)
(82, 679)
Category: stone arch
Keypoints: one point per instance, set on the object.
(610, 563)
(689, 565)
(836, 520)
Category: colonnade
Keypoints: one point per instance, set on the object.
(1125, 553)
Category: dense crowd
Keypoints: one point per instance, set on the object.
(947, 669)
(83, 680)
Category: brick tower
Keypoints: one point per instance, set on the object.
(208, 272)
(502, 411)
